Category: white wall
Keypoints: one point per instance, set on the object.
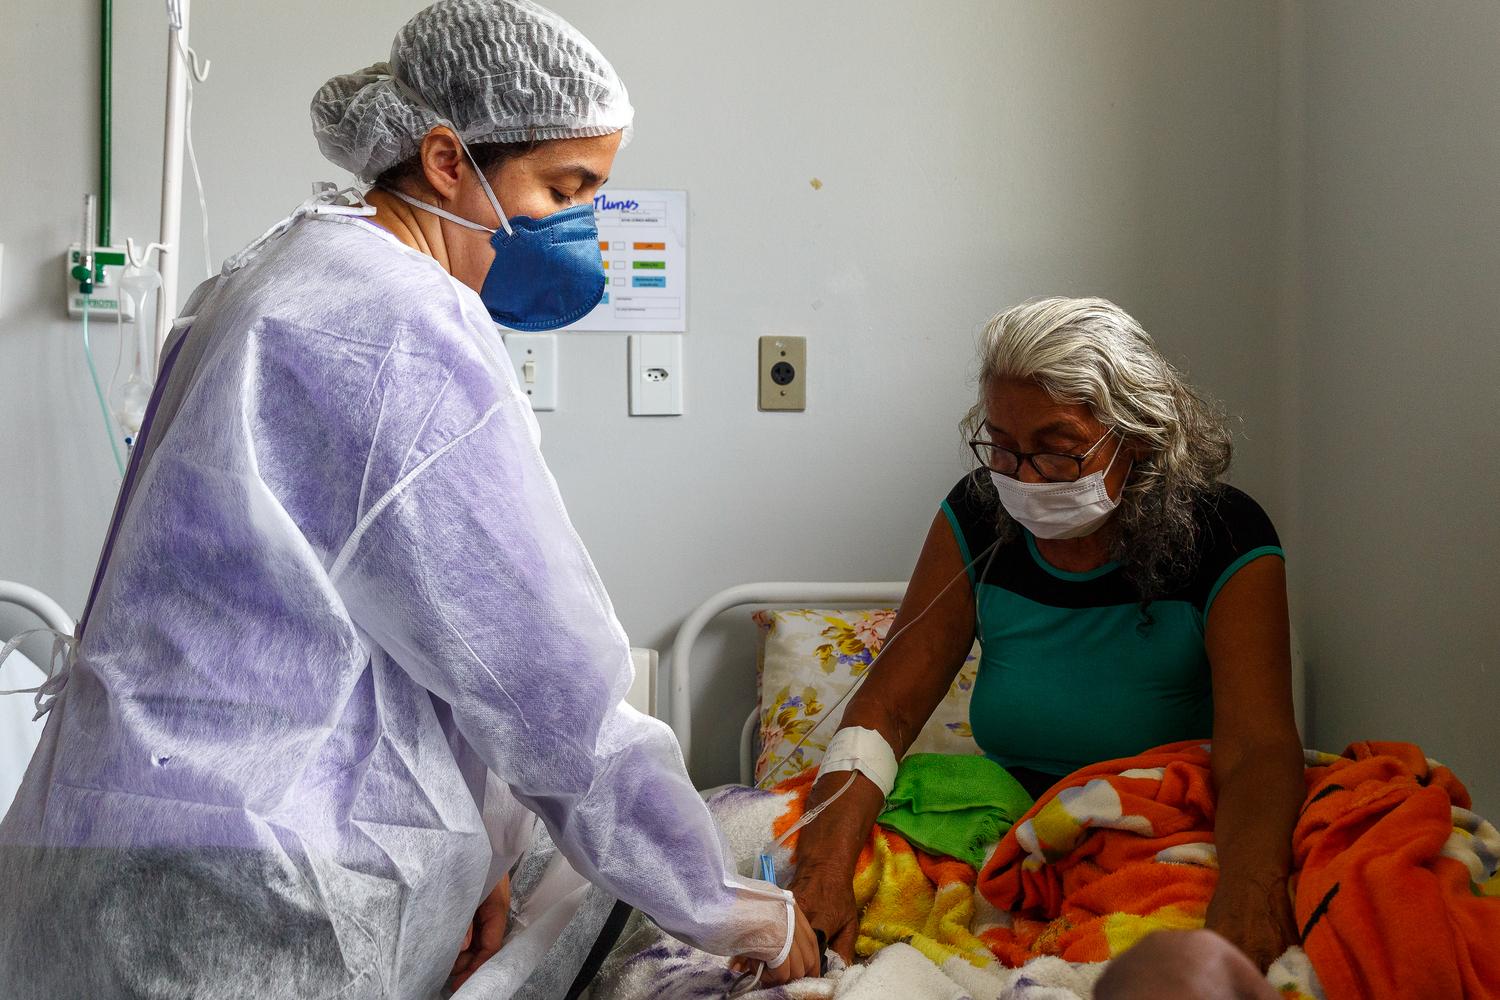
(1400, 349)
(968, 160)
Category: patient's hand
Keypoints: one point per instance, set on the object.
(826, 895)
(1255, 915)
(485, 934)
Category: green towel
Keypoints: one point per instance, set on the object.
(958, 805)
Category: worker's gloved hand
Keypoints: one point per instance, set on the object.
(485, 934)
(803, 960)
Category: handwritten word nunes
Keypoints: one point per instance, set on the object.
(604, 203)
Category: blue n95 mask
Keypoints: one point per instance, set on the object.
(547, 272)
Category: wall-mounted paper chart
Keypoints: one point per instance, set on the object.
(643, 243)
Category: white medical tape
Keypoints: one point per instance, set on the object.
(856, 748)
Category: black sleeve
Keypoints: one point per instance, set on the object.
(971, 508)
(1234, 531)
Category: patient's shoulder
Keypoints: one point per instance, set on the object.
(1233, 530)
(1233, 523)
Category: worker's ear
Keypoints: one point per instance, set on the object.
(443, 162)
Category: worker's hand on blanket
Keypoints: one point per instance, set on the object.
(485, 934)
(1183, 965)
(1255, 914)
(802, 960)
(826, 895)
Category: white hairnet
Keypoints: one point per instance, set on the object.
(499, 70)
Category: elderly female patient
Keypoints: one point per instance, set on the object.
(1124, 597)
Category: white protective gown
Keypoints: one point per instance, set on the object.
(340, 597)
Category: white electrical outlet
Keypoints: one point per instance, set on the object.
(655, 374)
(534, 356)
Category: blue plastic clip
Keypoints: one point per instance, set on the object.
(767, 869)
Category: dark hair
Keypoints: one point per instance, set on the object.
(489, 155)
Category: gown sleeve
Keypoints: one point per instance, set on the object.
(468, 573)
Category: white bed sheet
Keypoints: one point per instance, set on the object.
(18, 733)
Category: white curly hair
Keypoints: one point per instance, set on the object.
(1091, 352)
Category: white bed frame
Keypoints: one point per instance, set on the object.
(38, 603)
(805, 595)
(813, 595)
(641, 696)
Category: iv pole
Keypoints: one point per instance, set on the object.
(171, 179)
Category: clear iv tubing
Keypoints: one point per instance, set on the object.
(808, 817)
(737, 988)
(828, 713)
(109, 427)
(814, 813)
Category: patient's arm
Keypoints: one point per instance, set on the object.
(905, 685)
(1257, 761)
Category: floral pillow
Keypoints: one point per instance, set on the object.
(809, 659)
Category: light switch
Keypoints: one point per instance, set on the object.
(534, 356)
(655, 374)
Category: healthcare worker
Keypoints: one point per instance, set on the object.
(343, 643)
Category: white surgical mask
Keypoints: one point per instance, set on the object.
(1058, 510)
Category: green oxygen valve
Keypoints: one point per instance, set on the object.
(87, 278)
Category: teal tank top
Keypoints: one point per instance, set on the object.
(1074, 670)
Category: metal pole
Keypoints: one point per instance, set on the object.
(106, 112)
(171, 183)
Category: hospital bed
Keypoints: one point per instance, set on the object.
(18, 732)
(714, 652)
(685, 663)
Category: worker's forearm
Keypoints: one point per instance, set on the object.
(1259, 797)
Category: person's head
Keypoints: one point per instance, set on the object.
(539, 108)
(1080, 377)
(531, 179)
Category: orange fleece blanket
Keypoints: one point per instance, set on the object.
(1394, 884)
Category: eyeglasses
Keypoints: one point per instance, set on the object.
(1051, 467)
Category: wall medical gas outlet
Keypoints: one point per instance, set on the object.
(109, 264)
(783, 373)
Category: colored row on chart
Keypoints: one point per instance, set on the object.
(638, 265)
(607, 246)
